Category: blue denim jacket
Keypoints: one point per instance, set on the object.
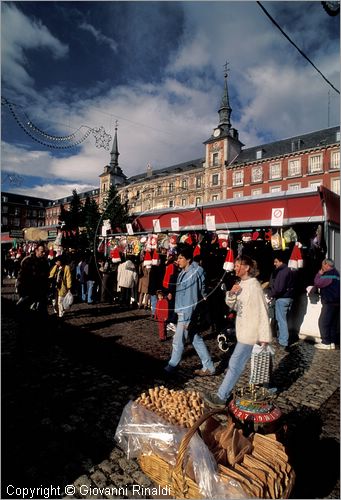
(190, 288)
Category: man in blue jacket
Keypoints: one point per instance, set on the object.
(282, 290)
(328, 281)
(190, 289)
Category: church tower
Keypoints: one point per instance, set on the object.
(221, 149)
(113, 174)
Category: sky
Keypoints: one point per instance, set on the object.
(157, 68)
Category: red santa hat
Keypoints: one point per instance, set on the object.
(155, 259)
(229, 260)
(147, 261)
(223, 239)
(196, 250)
(115, 255)
(296, 260)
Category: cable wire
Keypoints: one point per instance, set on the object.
(296, 47)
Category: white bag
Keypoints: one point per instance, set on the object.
(68, 300)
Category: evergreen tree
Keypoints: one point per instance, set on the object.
(90, 217)
(116, 211)
(76, 212)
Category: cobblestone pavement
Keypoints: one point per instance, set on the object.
(64, 389)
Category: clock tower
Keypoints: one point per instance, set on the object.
(112, 174)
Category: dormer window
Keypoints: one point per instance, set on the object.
(259, 154)
(338, 136)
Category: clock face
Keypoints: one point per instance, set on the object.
(216, 132)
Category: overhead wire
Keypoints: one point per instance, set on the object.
(296, 47)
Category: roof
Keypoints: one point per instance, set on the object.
(291, 145)
(163, 172)
(22, 198)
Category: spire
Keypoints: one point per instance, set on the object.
(225, 109)
(114, 152)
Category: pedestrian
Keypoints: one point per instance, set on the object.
(155, 279)
(106, 281)
(32, 282)
(61, 274)
(126, 278)
(190, 289)
(144, 271)
(328, 281)
(252, 326)
(81, 280)
(92, 278)
(161, 314)
(169, 288)
(282, 291)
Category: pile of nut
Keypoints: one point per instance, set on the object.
(176, 407)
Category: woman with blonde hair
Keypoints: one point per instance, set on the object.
(252, 325)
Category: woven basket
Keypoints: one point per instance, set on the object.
(174, 477)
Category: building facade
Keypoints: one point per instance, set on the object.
(21, 211)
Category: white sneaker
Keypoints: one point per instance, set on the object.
(327, 347)
(171, 327)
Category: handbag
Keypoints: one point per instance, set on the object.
(261, 362)
(200, 319)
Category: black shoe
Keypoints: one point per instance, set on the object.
(169, 369)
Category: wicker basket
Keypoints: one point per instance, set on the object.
(174, 477)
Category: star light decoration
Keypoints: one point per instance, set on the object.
(53, 141)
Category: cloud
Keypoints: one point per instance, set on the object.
(18, 34)
(53, 192)
(100, 38)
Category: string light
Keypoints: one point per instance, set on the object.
(102, 139)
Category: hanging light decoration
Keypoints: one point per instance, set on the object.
(12, 178)
(53, 141)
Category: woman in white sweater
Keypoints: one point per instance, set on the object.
(252, 325)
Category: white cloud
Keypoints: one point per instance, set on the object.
(18, 34)
(100, 38)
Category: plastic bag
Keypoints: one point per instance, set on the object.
(68, 300)
(142, 432)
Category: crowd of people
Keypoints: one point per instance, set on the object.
(172, 285)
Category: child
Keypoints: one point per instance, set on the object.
(161, 314)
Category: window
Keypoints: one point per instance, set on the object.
(257, 174)
(275, 189)
(335, 186)
(315, 184)
(26, 202)
(214, 197)
(275, 171)
(256, 192)
(4, 209)
(184, 184)
(335, 160)
(17, 211)
(198, 182)
(4, 221)
(315, 164)
(294, 167)
(4, 199)
(183, 202)
(259, 154)
(238, 194)
(294, 187)
(171, 188)
(238, 178)
(171, 203)
(215, 159)
(198, 200)
(338, 136)
(158, 190)
(104, 188)
(215, 179)
(16, 221)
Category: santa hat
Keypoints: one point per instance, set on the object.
(147, 261)
(229, 264)
(155, 259)
(18, 255)
(296, 260)
(196, 250)
(115, 255)
(51, 254)
(223, 239)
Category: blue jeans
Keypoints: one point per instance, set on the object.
(179, 338)
(90, 287)
(241, 355)
(282, 308)
(153, 301)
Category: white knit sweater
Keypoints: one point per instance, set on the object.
(252, 322)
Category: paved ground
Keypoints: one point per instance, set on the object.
(63, 393)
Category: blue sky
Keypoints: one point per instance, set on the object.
(157, 68)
